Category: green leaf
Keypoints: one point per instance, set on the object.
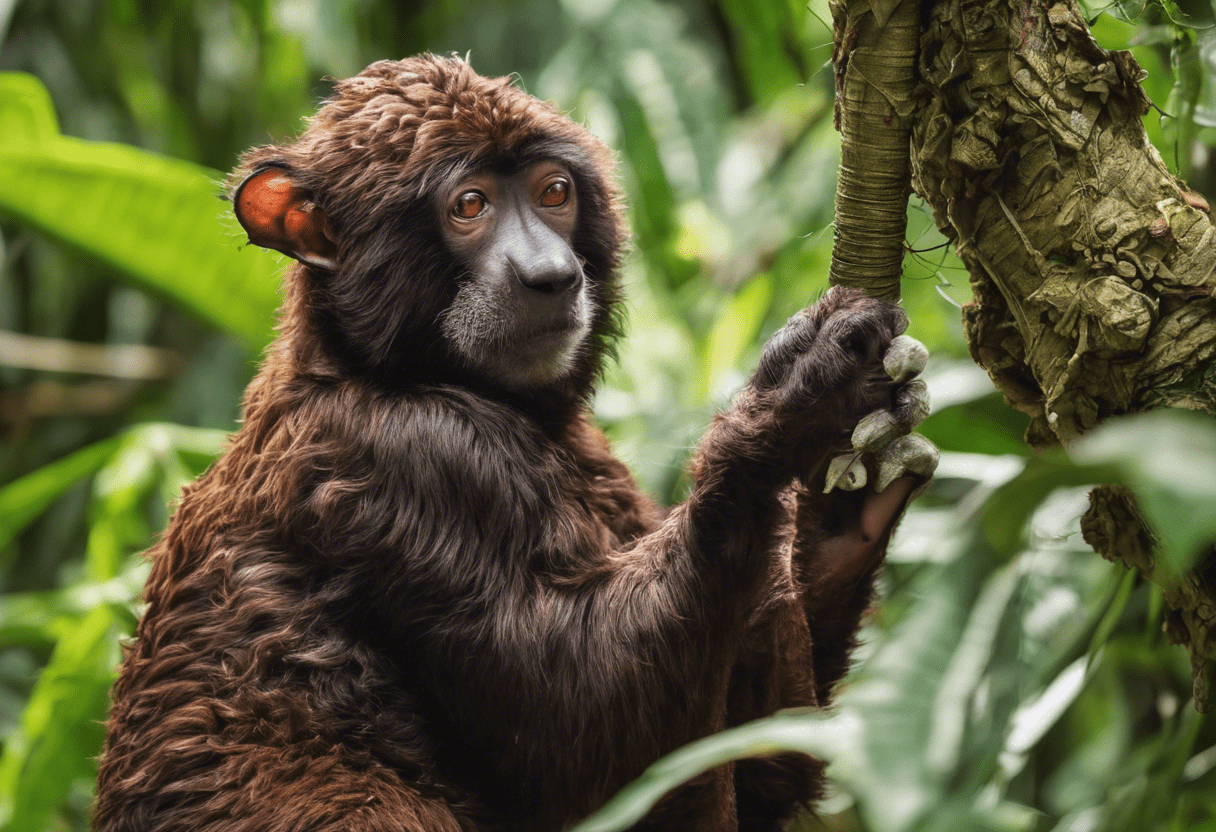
(811, 732)
(21, 501)
(963, 675)
(61, 729)
(148, 455)
(42, 618)
(985, 425)
(1167, 457)
(26, 110)
(898, 697)
(1005, 515)
(160, 222)
(1110, 618)
(1036, 715)
(126, 459)
(734, 330)
(1188, 82)
(762, 33)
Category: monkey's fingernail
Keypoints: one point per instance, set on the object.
(846, 472)
(911, 454)
(875, 430)
(905, 358)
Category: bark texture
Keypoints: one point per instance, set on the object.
(875, 60)
(1091, 265)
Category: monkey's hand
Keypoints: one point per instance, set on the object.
(842, 527)
(827, 368)
(884, 447)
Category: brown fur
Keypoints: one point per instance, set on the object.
(406, 599)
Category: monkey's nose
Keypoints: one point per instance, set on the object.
(548, 272)
(549, 281)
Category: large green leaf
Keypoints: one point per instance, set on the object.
(26, 110)
(41, 618)
(735, 329)
(53, 751)
(808, 731)
(1167, 457)
(160, 222)
(21, 501)
(149, 454)
(763, 35)
(181, 452)
(1005, 515)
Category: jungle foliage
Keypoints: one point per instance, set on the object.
(1011, 678)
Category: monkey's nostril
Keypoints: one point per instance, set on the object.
(549, 283)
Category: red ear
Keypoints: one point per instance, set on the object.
(277, 214)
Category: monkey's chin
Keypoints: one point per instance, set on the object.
(534, 360)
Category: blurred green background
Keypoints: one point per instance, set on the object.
(1010, 680)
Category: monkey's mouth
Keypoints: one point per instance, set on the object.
(555, 332)
(546, 348)
(554, 339)
(557, 329)
(518, 344)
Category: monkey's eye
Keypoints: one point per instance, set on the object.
(556, 194)
(469, 205)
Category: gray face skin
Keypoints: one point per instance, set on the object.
(522, 311)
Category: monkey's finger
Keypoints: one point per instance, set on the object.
(905, 358)
(876, 430)
(784, 348)
(846, 472)
(912, 403)
(911, 454)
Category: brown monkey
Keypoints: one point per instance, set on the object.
(418, 592)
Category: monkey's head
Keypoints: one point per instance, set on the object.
(447, 225)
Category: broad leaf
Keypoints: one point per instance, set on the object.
(42, 618)
(21, 501)
(160, 222)
(149, 454)
(736, 328)
(61, 729)
(1167, 457)
(809, 732)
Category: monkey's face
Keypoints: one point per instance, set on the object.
(451, 227)
(521, 312)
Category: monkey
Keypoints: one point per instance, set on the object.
(418, 592)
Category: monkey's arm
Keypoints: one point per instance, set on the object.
(840, 542)
(835, 369)
(844, 517)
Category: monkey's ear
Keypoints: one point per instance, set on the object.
(278, 214)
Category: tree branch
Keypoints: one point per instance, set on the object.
(875, 59)
(1091, 265)
(128, 361)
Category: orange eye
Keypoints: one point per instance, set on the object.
(469, 205)
(556, 194)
